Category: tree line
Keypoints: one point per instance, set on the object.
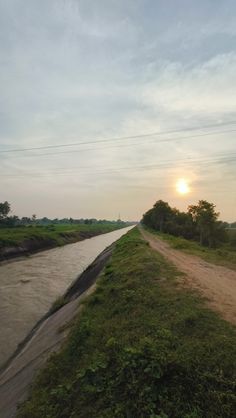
(199, 223)
(7, 220)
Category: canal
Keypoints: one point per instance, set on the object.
(29, 286)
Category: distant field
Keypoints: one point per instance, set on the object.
(15, 236)
(224, 255)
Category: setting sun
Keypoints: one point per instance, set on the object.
(182, 186)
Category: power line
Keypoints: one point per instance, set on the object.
(144, 135)
(126, 145)
(225, 158)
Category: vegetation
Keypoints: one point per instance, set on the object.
(15, 221)
(15, 231)
(4, 210)
(200, 223)
(5, 219)
(143, 346)
(57, 233)
(225, 255)
(232, 237)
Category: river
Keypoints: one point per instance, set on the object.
(29, 286)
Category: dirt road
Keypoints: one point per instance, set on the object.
(216, 283)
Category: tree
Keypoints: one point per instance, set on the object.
(4, 210)
(33, 218)
(25, 220)
(180, 224)
(147, 218)
(157, 216)
(12, 221)
(205, 217)
(161, 213)
(199, 223)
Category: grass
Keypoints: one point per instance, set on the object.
(56, 233)
(141, 347)
(225, 255)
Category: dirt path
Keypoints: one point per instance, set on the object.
(216, 283)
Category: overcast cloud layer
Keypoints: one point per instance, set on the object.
(78, 71)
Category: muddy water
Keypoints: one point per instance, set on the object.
(29, 286)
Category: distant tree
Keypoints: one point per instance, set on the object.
(199, 223)
(5, 208)
(180, 224)
(44, 221)
(25, 220)
(33, 218)
(161, 213)
(147, 218)
(205, 217)
(220, 233)
(158, 216)
(12, 221)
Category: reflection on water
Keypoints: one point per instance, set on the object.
(29, 286)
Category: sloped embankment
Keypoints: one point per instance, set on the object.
(46, 337)
(143, 346)
(39, 242)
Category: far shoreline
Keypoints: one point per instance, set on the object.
(36, 244)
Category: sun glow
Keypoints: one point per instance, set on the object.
(182, 186)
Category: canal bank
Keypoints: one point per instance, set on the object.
(46, 337)
(29, 286)
(24, 241)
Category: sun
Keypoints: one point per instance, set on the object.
(182, 186)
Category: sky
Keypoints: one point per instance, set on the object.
(105, 104)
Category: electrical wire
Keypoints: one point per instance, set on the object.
(218, 159)
(144, 135)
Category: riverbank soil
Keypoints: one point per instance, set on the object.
(216, 283)
(143, 346)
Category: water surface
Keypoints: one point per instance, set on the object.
(29, 286)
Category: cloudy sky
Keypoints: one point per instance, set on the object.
(105, 104)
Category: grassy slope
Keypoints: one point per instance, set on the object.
(225, 255)
(14, 236)
(142, 347)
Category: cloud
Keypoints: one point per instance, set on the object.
(206, 89)
(78, 70)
